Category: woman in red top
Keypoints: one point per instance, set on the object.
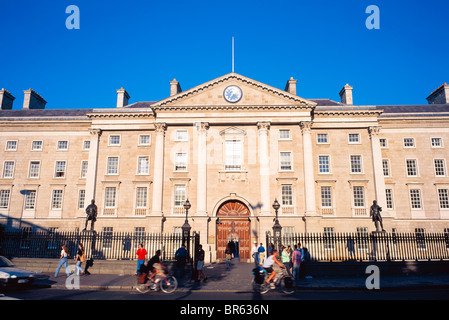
(141, 254)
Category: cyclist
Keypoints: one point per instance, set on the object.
(268, 266)
(154, 265)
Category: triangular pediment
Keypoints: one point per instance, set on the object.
(254, 94)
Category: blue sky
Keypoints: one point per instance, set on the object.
(142, 45)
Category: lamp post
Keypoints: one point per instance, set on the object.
(186, 226)
(277, 228)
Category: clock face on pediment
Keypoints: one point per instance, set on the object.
(232, 94)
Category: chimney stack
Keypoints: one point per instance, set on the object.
(6, 100)
(122, 98)
(290, 87)
(440, 95)
(175, 87)
(346, 95)
(32, 100)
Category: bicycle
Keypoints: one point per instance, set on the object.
(163, 281)
(282, 280)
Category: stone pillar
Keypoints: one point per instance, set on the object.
(309, 183)
(91, 179)
(201, 198)
(158, 176)
(379, 181)
(264, 163)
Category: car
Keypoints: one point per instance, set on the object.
(11, 276)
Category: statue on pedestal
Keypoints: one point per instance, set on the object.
(91, 212)
(375, 214)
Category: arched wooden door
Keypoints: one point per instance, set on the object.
(235, 226)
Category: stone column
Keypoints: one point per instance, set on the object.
(309, 183)
(201, 198)
(158, 176)
(91, 178)
(379, 181)
(264, 163)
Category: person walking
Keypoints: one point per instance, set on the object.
(296, 259)
(79, 259)
(228, 257)
(200, 264)
(261, 251)
(285, 258)
(141, 254)
(181, 256)
(255, 254)
(63, 260)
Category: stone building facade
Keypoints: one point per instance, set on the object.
(231, 146)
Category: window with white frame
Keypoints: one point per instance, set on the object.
(356, 164)
(4, 199)
(412, 167)
(443, 197)
(11, 145)
(63, 145)
(440, 168)
(110, 195)
(359, 196)
(386, 167)
(143, 165)
(8, 169)
(287, 195)
(233, 155)
(84, 167)
(34, 169)
(322, 138)
(60, 169)
(181, 135)
(179, 195)
(112, 167)
(286, 161)
(415, 198)
(409, 142)
(437, 142)
(30, 200)
(181, 161)
(362, 236)
(37, 145)
(389, 198)
(141, 197)
(114, 140)
(56, 199)
(329, 238)
(383, 143)
(284, 134)
(86, 145)
(326, 197)
(354, 138)
(323, 164)
(420, 234)
(144, 140)
(81, 199)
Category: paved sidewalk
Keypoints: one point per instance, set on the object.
(238, 279)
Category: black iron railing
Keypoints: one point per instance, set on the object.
(102, 245)
(377, 246)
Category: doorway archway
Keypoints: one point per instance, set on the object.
(234, 228)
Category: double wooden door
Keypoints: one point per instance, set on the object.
(234, 228)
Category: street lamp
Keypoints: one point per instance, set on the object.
(186, 226)
(277, 228)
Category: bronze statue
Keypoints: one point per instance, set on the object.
(91, 212)
(375, 214)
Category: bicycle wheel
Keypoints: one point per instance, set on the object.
(286, 284)
(142, 288)
(169, 284)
